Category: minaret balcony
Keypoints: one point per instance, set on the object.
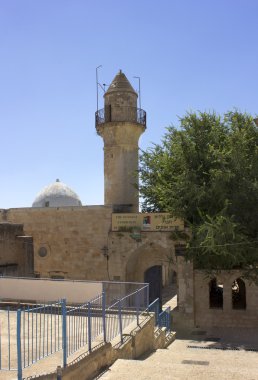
(118, 114)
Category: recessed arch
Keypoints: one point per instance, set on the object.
(146, 256)
(238, 294)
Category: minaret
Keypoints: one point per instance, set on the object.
(121, 124)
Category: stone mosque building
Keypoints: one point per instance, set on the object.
(59, 238)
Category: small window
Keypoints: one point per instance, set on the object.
(238, 294)
(47, 204)
(216, 294)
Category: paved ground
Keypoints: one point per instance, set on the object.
(194, 359)
(224, 354)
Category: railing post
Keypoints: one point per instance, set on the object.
(159, 320)
(59, 373)
(89, 326)
(137, 305)
(148, 290)
(120, 320)
(104, 316)
(157, 312)
(169, 318)
(19, 356)
(64, 332)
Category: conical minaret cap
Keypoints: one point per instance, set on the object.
(120, 84)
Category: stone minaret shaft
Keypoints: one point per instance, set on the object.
(120, 124)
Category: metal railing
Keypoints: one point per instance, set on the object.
(84, 323)
(154, 308)
(40, 331)
(30, 334)
(163, 318)
(120, 114)
(127, 310)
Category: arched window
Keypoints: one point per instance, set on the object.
(238, 294)
(216, 294)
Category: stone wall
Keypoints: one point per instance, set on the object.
(16, 250)
(78, 243)
(72, 238)
(226, 316)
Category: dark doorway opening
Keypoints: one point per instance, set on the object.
(153, 276)
(216, 294)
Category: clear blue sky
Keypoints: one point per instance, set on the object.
(190, 55)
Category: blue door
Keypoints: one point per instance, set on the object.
(153, 276)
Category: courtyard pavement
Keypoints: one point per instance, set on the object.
(227, 355)
(221, 354)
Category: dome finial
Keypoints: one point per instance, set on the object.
(57, 180)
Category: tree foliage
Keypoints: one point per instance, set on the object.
(206, 172)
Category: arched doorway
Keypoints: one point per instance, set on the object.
(151, 263)
(153, 276)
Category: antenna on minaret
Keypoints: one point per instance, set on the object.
(104, 86)
(139, 90)
(97, 85)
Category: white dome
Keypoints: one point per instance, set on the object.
(56, 195)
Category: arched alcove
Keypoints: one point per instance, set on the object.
(151, 263)
(238, 294)
(146, 256)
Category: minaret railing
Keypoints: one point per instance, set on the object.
(120, 114)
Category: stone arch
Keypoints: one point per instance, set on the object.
(238, 294)
(145, 257)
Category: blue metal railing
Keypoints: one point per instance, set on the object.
(124, 311)
(163, 318)
(40, 331)
(45, 329)
(84, 324)
(154, 308)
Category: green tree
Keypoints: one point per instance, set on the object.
(206, 172)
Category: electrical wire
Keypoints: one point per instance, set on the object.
(225, 245)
